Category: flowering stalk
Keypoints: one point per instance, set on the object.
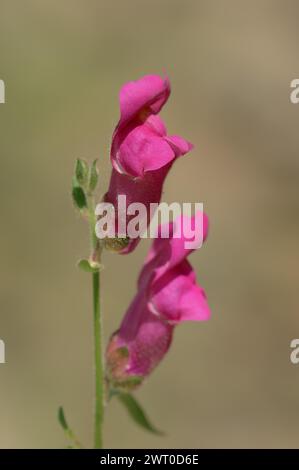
(99, 387)
(142, 154)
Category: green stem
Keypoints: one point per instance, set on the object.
(99, 373)
(98, 354)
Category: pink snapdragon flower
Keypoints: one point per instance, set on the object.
(167, 296)
(142, 153)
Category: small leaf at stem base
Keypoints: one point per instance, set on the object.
(89, 266)
(79, 197)
(68, 432)
(61, 418)
(136, 412)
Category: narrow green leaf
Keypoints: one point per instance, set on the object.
(81, 172)
(89, 266)
(93, 176)
(61, 418)
(79, 197)
(136, 412)
(68, 432)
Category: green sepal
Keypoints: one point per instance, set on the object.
(81, 172)
(89, 266)
(93, 176)
(79, 197)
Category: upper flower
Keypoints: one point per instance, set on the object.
(140, 142)
(141, 152)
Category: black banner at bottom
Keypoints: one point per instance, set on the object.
(136, 458)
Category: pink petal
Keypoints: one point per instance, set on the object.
(149, 92)
(166, 253)
(146, 337)
(156, 124)
(165, 294)
(179, 145)
(143, 150)
(150, 345)
(194, 305)
(176, 297)
(146, 191)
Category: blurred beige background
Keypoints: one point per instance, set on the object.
(225, 383)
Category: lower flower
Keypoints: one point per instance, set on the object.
(167, 295)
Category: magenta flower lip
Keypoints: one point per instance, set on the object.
(148, 94)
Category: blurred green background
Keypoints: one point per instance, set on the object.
(228, 382)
